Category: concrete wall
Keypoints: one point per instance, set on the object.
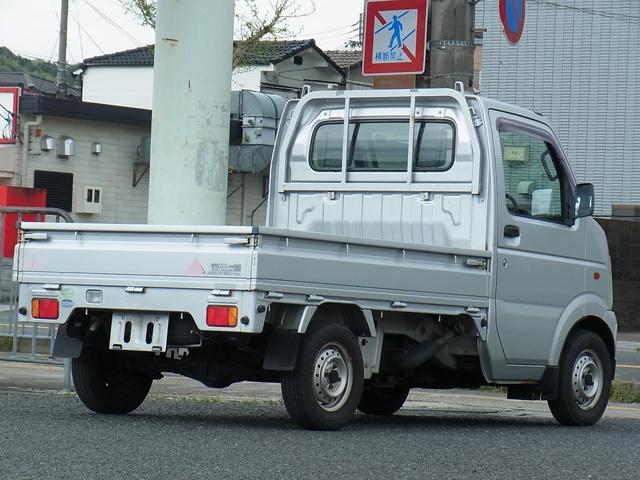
(624, 248)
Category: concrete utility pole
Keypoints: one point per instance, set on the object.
(190, 120)
(452, 24)
(61, 86)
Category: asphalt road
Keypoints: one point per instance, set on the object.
(46, 435)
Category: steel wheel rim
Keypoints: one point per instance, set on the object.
(587, 379)
(332, 376)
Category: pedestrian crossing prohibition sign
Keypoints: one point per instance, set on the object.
(395, 37)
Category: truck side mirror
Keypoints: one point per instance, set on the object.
(584, 200)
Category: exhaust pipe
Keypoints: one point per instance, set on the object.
(415, 356)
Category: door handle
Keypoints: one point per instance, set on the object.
(511, 231)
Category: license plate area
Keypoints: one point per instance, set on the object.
(141, 332)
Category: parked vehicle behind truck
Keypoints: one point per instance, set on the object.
(414, 239)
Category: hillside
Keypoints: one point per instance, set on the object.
(10, 62)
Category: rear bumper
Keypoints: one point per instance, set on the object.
(150, 299)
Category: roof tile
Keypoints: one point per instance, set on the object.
(260, 53)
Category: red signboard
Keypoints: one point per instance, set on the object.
(512, 14)
(395, 37)
(17, 197)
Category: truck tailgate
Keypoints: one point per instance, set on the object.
(172, 256)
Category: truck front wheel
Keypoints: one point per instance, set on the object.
(104, 385)
(323, 391)
(383, 401)
(584, 382)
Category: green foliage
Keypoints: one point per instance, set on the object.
(6, 344)
(10, 62)
(626, 392)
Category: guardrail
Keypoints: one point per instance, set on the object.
(39, 338)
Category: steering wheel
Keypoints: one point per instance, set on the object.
(516, 207)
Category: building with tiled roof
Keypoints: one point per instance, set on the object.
(351, 62)
(126, 78)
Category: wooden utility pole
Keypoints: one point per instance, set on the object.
(61, 85)
(452, 47)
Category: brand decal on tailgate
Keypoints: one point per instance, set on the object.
(226, 269)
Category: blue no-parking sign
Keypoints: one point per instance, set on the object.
(512, 14)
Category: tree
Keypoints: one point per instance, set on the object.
(253, 22)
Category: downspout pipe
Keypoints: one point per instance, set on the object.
(25, 146)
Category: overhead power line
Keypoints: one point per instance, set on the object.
(633, 19)
(77, 19)
(113, 23)
(344, 27)
(87, 33)
(340, 35)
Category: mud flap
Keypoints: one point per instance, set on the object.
(67, 346)
(546, 389)
(282, 350)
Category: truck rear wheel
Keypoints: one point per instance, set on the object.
(383, 401)
(323, 391)
(104, 386)
(584, 382)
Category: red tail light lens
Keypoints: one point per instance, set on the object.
(222, 316)
(47, 308)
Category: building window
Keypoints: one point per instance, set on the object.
(59, 187)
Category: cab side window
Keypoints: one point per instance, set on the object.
(532, 181)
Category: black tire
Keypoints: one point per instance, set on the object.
(307, 391)
(584, 380)
(383, 401)
(104, 386)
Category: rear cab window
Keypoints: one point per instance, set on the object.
(375, 145)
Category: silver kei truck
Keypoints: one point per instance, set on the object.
(414, 239)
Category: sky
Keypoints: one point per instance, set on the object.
(30, 27)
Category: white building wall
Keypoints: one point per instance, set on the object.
(123, 86)
(246, 204)
(133, 86)
(248, 78)
(113, 171)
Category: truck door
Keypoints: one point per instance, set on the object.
(540, 257)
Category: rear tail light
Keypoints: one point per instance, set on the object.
(45, 308)
(222, 316)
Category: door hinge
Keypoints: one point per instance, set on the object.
(35, 236)
(475, 117)
(477, 263)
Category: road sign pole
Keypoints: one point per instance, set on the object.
(452, 47)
